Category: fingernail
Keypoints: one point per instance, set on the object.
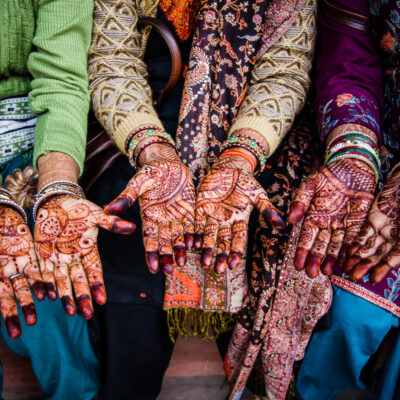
(189, 241)
(85, 306)
(13, 327)
(29, 314)
(206, 257)
(99, 292)
(123, 227)
(51, 293)
(40, 290)
(167, 263)
(152, 259)
(117, 206)
(221, 261)
(68, 304)
(296, 213)
(180, 255)
(198, 241)
(234, 259)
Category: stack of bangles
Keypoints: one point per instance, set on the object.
(354, 145)
(136, 142)
(6, 198)
(54, 189)
(231, 145)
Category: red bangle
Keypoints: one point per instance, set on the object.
(234, 152)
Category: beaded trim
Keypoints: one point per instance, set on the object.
(56, 188)
(7, 198)
(352, 133)
(249, 144)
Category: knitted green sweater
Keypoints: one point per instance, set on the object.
(43, 52)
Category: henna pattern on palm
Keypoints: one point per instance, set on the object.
(377, 249)
(66, 244)
(335, 201)
(17, 256)
(166, 197)
(225, 200)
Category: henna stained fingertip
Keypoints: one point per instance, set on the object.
(13, 326)
(300, 259)
(198, 241)
(51, 292)
(167, 263)
(180, 255)
(206, 257)
(328, 264)
(379, 272)
(351, 262)
(123, 227)
(99, 292)
(189, 241)
(296, 213)
(117, 206)
(274, 219)
(29, 314)
(343, 254)
(69, 306)
(221, 261)
(85, 306)
(39, 289)
(152, 259)
(234, 259)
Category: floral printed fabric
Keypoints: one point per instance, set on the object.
(228, 39)
(348, 108)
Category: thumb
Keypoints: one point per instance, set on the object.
(268, 211)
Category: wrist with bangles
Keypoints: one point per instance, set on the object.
(6, 198)
(238, 141)
(356, 145)
(137, 141)
(56, 188)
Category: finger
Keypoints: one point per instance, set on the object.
(64, 287)
(308, 234)
(165, 248)
(302, 199)
(126, 198)
(113, 223)
(188, 229)
(223, 248)
(332, 252)
(209, 240)
(365, 265)
(24, 297)
(47, 270)
(81, 289)
(369, 248)
(366, 232)
(268, 211)
(351, 233)
(178, 243)
(239, 243)
(94, 272)
(32, 273)
(200, 223)
(317, 253)
(150, 241)
(389, 262)
(8, 309)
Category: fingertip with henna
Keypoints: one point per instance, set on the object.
(276, 220)
(312, 265)
(234, 259)
(167, 263)
(350, 263)
(206, 257)
(85, 306)
(297, 211)
(379, 272)
(99, 292)
(300, 259)
(68, 304)
(29, 314)
(189, 241)
(13, 327)
(221, 262)
(40, 290)
(123, 227)
(198, 241)
(343, 253)
(180, 255)
(51, 292)
(152, 259)
(360, 270)
(117, 206)
(328, 264)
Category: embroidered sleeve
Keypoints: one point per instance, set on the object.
(121, 95)
(280, 81)
(348, 75)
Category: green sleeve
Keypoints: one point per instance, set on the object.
(58, 66)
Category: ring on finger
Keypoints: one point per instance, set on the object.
(62, 265)
(15, 276)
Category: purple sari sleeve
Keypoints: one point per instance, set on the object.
(348, 74)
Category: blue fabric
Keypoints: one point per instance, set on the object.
(60, 351)
(335, 357)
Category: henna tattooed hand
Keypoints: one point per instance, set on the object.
(335, 201)
(66, 244)
(377, 249)
(18, 266)
(166, 197)
(225, 200)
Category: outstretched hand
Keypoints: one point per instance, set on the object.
(334, 201)
(66, 244)
(377, 250)
(225, 200)
(166, 197)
